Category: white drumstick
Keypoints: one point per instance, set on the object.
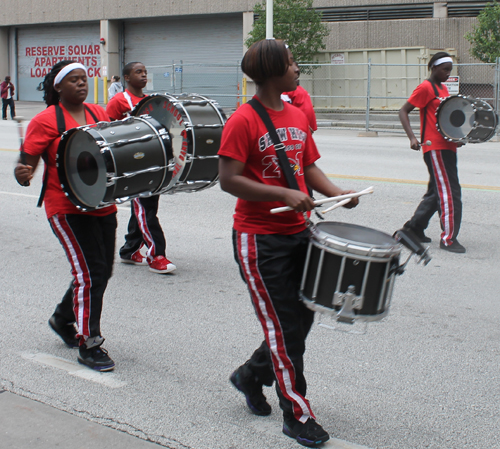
(339, 204)
(277, 210)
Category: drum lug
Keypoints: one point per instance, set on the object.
(350, 302)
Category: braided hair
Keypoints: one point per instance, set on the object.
(51, 96)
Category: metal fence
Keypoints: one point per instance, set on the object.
(360, 87)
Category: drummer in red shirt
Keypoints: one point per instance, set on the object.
(271, 248)
(144, 227)
(444, 194)
(88, 238)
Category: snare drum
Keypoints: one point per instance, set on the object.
(349, 272)
(466, 120)
(109, 163)
(195, 124)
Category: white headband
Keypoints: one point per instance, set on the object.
(66, 69)
(442, 61)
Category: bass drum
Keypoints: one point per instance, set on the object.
(466, 120)
(195, 125)
(108, 163)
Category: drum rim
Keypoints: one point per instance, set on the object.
(325, 240)
(61, 171)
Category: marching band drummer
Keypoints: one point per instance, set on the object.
(443, 191)
(88, 238)
(270, 248)
(144, 228)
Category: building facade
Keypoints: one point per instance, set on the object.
(103, 35)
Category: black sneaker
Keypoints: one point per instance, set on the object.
(66, 331)
(419, 233)
(309, 434)
(244, 380)
(96, 358)
(455, 247)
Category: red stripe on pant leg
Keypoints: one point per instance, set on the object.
(445, 196)
(283, 366)
(79, 270)
(140, 214)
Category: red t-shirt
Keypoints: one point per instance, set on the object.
(118, 107)
(425, 97)
(245, 138)
(300, 98)
(42, 137)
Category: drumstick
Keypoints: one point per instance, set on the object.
(22, 157)
(277, 210)
(339, 204)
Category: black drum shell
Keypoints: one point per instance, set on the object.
(372, 254)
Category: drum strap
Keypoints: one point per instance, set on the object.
(278, 145)
(61, 129)
(424, 111)
(129, 101)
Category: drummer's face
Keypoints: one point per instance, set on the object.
(442, 71)
(74, 87)
(138, 76)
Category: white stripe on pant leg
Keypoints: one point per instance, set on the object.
(140, 214)
(271, 331)
(444, 198)
(80, 297)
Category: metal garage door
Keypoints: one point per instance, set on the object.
(209, 47)
(39, 48)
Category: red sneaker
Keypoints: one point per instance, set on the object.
(137, 258)
(160, 264)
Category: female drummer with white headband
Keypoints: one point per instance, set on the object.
(443, 191)
(88, 238)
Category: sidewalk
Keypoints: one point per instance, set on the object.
(30, 424)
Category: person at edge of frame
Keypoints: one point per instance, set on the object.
(115, 87)
(270, 248)
(144, 227)
(88, 238)
(7, 90)
(444, 194)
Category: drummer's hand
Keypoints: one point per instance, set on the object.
(354, 201)
(299, 201)
(414, 144)
(23, 174)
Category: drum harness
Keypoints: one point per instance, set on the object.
(425, 110)
(61, 129)
(280, 152)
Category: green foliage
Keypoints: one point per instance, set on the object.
(485, 37)
(295, 22)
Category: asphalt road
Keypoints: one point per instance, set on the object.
(426, 377)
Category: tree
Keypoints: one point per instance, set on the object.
(295, 22)
(485, 37)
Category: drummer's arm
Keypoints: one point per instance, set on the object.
(25, 168)
(232, 181)
(405, 121)
(317, 180)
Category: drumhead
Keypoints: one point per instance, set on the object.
(81, 168)
(355, 239)
(455, 117)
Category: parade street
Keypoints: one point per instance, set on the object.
(426, 377)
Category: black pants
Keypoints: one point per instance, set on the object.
(8, 102)
(144, 227)
(443, 195)
(89, 243)
(272, 266)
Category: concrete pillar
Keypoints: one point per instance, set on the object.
(247, 27)
(5, 69)
(110, 58)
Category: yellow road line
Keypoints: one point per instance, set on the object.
(406, 181)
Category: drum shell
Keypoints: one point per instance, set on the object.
(121, 154)
(195, 124)
(333, 264)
